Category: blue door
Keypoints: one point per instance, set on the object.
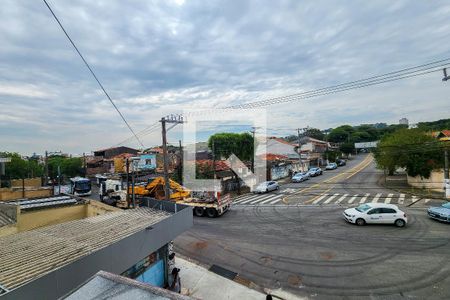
(154, 275)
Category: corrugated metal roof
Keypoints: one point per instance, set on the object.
(30, 254)
(45, 201)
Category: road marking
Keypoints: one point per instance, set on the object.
(250, 199)
(331, 198)
(342, 198)
(388, 199)
(275, 201)
(320, 198)
(352, 198)
(270, 199)
(377, 196)
(363, 199)
(262, 198)
(414, 199)
(401, 199)
(427, 200)
(245, 198)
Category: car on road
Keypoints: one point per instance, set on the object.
(376, 213)
(299, 177)
(441, 213)
(341, 162)
(331, 166)
(266, 186)
(315, 171)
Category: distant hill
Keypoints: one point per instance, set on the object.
(435, 125)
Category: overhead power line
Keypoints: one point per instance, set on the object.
(419, 70)
(93, 74)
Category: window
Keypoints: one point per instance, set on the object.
(388, 211)
(374, 211)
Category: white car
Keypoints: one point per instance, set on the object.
(376, 213)
(266, 186)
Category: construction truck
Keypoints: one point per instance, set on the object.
(211, 204)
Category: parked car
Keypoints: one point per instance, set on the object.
(376, 213)
(266, 186)
(331, 166)
(299, 177)
(441, 213)
(341, 162)
(315, 171)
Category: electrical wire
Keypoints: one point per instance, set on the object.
(93, 74)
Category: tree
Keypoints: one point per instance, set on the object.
(224, 144)
(341, 134)
(20, 168)
(412, 149)
(69, 167)
(314, 133)
(347, 148)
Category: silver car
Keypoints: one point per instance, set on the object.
(266, 186)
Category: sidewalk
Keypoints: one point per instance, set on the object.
(200, 283)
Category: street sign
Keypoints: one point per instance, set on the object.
(5, 159)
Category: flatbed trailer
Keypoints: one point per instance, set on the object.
(210, 209)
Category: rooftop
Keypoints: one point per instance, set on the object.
(105, 284)
(31, 254)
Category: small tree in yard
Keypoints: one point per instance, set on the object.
(412, 149)
(347, 148)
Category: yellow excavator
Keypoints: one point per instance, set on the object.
(155, 189)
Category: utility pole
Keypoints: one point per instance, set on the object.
(446, 167)
(300, 144)
(46, 168)
(128, 181)
(165, 158)
(59, 179)
(254, 150)
(175, 119)
(180, 167)
(446, 175)
(214, 160)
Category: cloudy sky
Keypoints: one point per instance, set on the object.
(160, 57)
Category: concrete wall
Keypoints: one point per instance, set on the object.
(95, 208)
(7, 194)
(29, 182)
(39, 218)
(434, 183)
(10, 210)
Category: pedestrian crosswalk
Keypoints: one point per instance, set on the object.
(271, 199)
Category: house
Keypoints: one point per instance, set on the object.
(443, 135)
(279, 166)
(277, 146)
(111, 152)
(103, 160)
(55, 245)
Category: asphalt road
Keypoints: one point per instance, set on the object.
(310, 251)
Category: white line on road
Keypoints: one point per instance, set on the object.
(275, 201)
(352, 198)
(250, 199)
(388, 199)
(401, 199)
(277, 197)
(377, 196)
(329, 199)
(262, 198)
(363, 199)
(427, 200)
(342, 198)
(320, 198)
(414, 199)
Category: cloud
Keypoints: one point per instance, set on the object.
(160, 58)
